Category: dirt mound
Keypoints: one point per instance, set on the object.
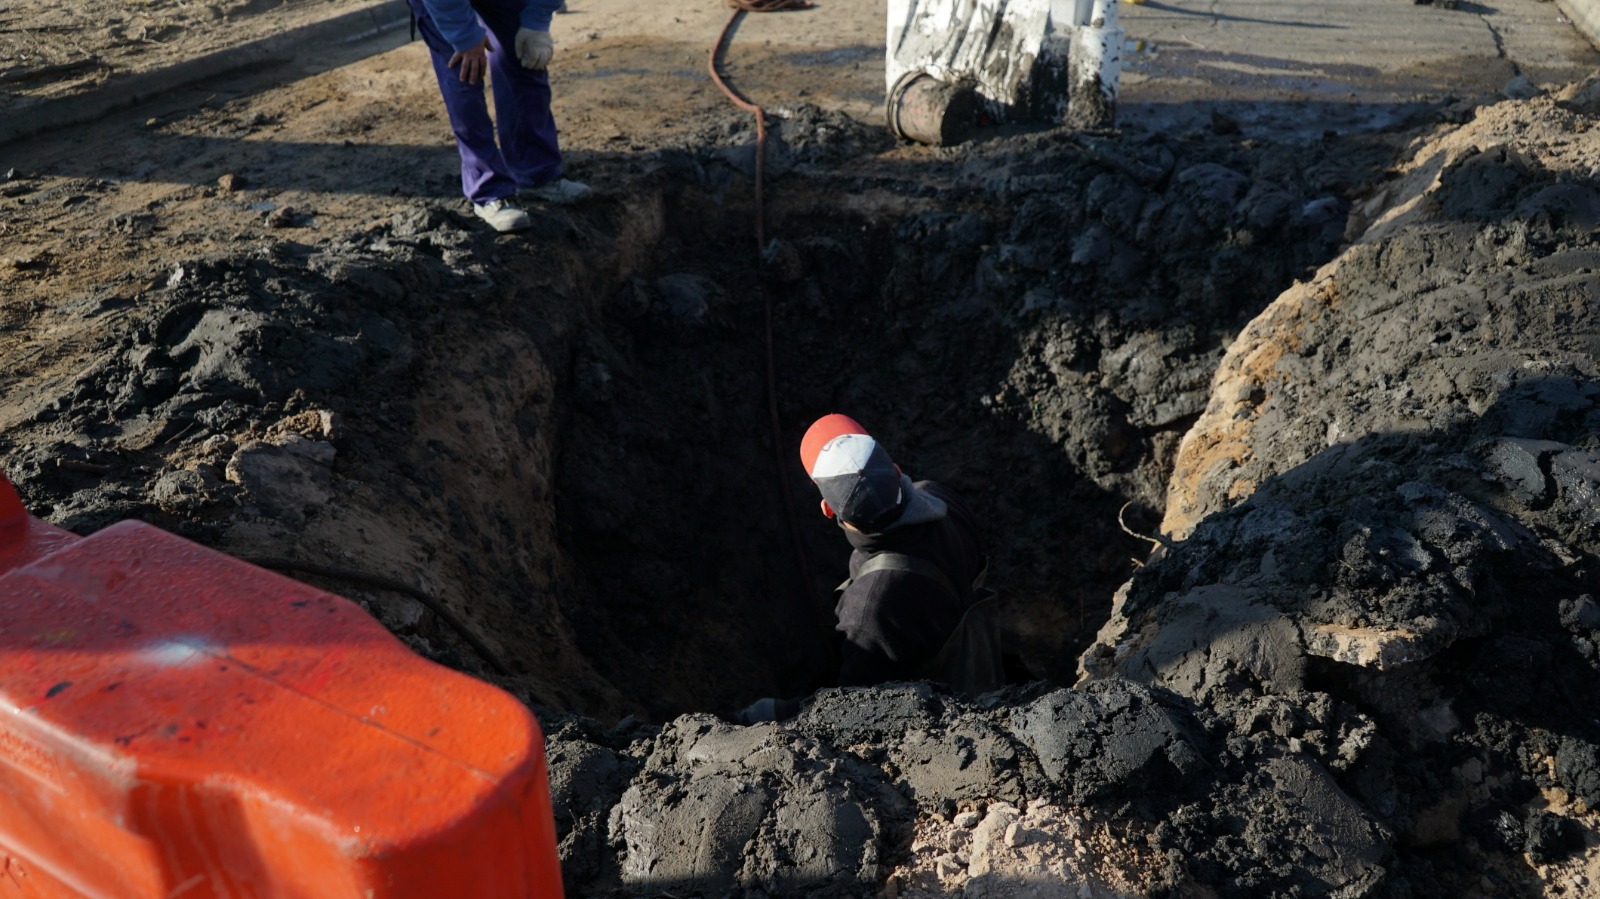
(899, 786)
(1388, 519)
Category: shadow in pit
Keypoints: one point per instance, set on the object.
(669, 498)
(687, 547)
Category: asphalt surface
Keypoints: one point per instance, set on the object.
(1264, 65)
(1270, 65)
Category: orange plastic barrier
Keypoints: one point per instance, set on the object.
(175, 723)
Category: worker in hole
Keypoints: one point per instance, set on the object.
(509, 41)
(915, 606)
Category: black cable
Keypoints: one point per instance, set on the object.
(378, 582)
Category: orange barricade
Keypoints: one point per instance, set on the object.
(175, 723)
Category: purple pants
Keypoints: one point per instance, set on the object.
(527, 154)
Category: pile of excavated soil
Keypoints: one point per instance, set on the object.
(1388, 519)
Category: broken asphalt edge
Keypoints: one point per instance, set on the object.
(127, 92)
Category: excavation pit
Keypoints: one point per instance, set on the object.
(572, 449)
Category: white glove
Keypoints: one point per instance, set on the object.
(534, 48)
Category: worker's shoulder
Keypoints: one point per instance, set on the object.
(953, 499)
(892, 579)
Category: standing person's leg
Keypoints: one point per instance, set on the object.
(484, 173)
(521, 100)
(528, 133)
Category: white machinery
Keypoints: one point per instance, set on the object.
(952, 61)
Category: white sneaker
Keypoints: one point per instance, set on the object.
(562, 192)
(503, 216)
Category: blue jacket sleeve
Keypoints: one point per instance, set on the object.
(537, 13)
(457, 22)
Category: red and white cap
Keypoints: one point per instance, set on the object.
(857, 479)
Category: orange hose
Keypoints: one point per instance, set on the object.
(741, 7)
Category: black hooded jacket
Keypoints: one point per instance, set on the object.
(894, 621)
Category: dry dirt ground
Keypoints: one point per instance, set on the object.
(256, 311)
(52, 50)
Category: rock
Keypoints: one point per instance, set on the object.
(1578, 767)
(968, 761)
(185, 490)
(400, 614)
(214, 351)
(1520, 465)
(710, 789)
(1582, 97)
(1215, 638)
(688, 297)
(1215, 190)
(1552, 837)
(989, 835)
(1577, 478)
(1581, 613)
(332, 424)
(1347, 845)
(585, 780)
(1367, 647)
(1572, 205)
(1104, 741)
(288, 481)
(1520, 88)
(416, 220)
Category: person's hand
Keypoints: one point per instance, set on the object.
(474, 63)
(534, 48)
